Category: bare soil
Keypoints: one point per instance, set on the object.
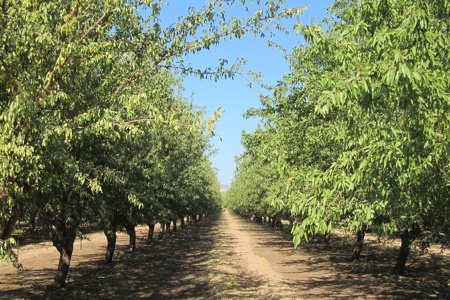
(227, 257)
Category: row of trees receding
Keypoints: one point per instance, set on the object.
(357, 136)
(92, 130)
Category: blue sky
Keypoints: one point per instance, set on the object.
(234, 96)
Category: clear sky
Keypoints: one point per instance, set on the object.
(233, 96)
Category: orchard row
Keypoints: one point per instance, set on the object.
(357, 136)
(93, 130)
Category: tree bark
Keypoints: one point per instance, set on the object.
(151, 231)
(168, 227)
(182, 223)
(403, 253)
(8, 225)
(64, 245)
(174, 225)
(131, 230)
(278, 224)
(111, 238)
(357, 249)
(33, 224)
(272, 223)
(162, 230)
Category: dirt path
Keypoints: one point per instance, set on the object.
(224, 257)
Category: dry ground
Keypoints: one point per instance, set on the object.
(226, 257)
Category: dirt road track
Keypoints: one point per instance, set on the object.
(223, 257)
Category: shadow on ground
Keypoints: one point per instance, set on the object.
(181, 266)
(201, 262)
(370, 277)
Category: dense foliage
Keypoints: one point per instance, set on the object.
(92, 129)
(356, 137)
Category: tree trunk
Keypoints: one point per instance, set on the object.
(168, 227)
(403, 253)
(111, 238)
(131, 230)
(151, 231)
(162, 230)
(182, 223)
(278, 224)
(8, 225)
(174, 225)
(326, 238)
(65, 256)
(64, 245)
(357, 249)
(33, 230)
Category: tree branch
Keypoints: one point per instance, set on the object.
(60, 63)
(106, 15)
